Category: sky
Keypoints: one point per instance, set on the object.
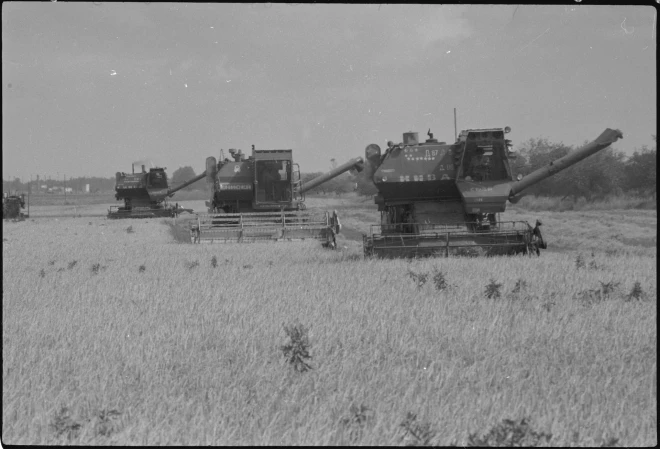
(89, 88)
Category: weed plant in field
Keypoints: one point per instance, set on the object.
(63, 424)
(296, 352)
(439, 280)
(510, 433)
(107, 422)
(636, 293)
(418, 278)
(521, 286)
(493, 290)
(417, 433)
(359, 418)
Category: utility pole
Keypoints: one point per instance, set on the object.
(64, 187)
(455, 131)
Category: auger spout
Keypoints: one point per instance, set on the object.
(173, 190)
(354, 164)
(608, 137)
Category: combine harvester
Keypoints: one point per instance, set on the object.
(145, 194)
(439, 199)
(12, 205)
(262, 198)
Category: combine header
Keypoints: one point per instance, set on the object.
(439, 199)
(12, 205)
(145, 194)
(262, 198)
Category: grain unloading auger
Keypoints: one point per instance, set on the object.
(439, 199)
(145, 194)
(262, 198)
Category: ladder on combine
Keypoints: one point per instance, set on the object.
(266, 226)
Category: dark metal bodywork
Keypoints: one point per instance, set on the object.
(438, 198)
(262, 198)
(12, 205)
(145, 194)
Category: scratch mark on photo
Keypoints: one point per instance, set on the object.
(533, 40)
(655, 16)
(625, 30)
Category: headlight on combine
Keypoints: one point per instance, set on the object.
(384, 178)
(519, 177)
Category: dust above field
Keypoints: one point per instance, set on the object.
(113, 333)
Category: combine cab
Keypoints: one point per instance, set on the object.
(439, 199)
(12, 205)
(262, 198)
(145, 195)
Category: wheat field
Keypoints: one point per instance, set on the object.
(115, 333)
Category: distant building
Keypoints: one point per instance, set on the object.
(68, 190)
(86, 188)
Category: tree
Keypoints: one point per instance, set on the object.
(640, 170)
(183, 174)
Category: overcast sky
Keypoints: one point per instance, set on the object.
(88, 88)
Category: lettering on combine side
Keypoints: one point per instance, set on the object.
(481, 189)
(235, 187)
